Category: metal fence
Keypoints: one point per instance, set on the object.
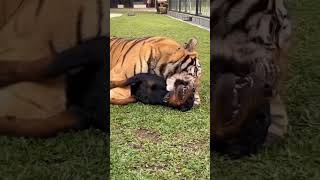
(194, 7)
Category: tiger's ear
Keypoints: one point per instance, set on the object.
(191, 45)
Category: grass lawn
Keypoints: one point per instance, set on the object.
(79, 155)
(299, 157)
(154, 142)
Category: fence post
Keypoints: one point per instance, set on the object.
(197, 7)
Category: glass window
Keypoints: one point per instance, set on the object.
(204, 8)
(190, 6)
(174, 5)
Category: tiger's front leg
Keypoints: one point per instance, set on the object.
(279, 121)
(41, 127)
(16, 71)
(120, 94)
(197, 100)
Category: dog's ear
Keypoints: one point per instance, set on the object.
(191, 45)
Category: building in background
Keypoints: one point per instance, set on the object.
(133, 3)
(195, 11)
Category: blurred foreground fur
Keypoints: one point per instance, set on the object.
(250, 41)
(52, 55)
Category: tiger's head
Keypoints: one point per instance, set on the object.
(169, 58)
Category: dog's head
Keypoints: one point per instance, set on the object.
(181, 89)
(241, 114)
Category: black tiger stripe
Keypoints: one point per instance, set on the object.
(157, 40)
(230, 6)
(174, 71)
(123, 46)
(189, 64)
(185, 59)
(39, 7)
(217, 14)
(140, 60)
(255, 8)
(259, 23)
(150, 57)
(162, 69)
(277, 30)
(114, 40)
(195, 70)
(79, 25)
(52, 48)
(271, 26)
(131, 46)
(134, 69)
(115, 45)
(15, 11)
(100, 16)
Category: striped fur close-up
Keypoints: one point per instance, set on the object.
(250, 40)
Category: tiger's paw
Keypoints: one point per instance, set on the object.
(197, 100)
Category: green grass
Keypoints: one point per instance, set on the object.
(77, 155)
(155, 142)
(299, 157)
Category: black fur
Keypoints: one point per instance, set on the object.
(86, 90)
(151, 89)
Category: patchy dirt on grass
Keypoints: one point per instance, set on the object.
(194, 146)
(148, 135)
(136, 146)
(152, 168)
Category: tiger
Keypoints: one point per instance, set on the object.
(250, 40)
(32, 34)
(156, 55)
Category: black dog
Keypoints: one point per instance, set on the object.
(151, 89)
(86, 87)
